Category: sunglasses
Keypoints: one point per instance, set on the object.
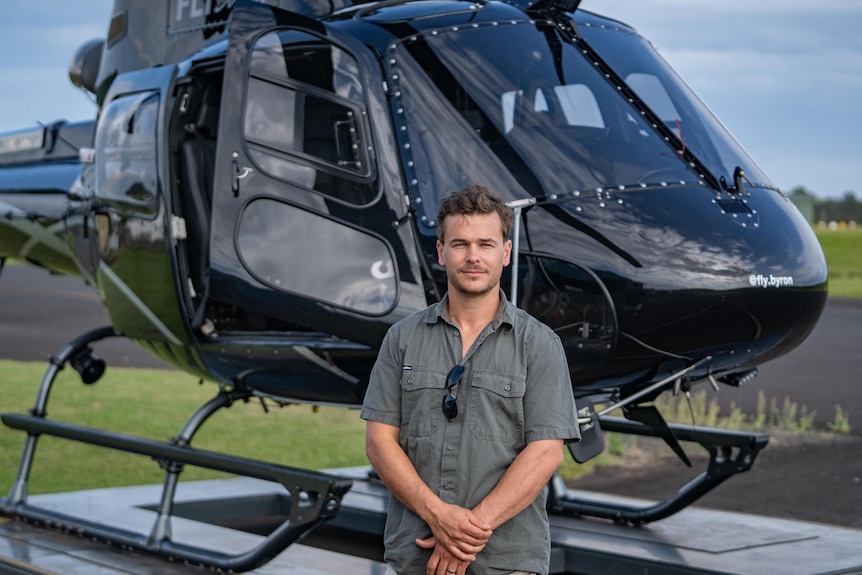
(450, 402)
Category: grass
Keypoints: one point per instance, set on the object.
(703, 411)
(843, 250)
(769, 415)
(156, 404)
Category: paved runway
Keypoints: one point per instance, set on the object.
(40, 313)
(825, 370)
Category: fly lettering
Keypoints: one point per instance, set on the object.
(760, 280)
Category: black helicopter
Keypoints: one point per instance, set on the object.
(255, 205)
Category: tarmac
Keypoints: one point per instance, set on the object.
(693, 541)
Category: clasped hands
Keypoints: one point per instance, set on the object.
(458, 535)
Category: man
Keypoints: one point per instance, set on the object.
(468, 407)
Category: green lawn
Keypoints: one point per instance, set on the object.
(156, 404)
(843, 249)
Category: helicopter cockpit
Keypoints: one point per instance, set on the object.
(546, 118)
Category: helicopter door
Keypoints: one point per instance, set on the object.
(135, 224)
(293, 239)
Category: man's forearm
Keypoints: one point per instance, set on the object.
(397, 471)
(522, 482)
(458, 529)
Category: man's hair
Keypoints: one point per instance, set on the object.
(474, 199)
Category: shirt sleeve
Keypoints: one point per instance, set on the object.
(549, 403)
(382, 401)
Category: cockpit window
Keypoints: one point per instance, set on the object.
(653, 93)
(304, 119)
(536, 119)
(577, 103)
(672, 100)
(127, 178)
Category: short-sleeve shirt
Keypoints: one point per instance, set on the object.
(515, 389)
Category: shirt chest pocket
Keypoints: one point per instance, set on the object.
(497, 407)
(421, 401)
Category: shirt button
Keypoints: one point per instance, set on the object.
(457, 334)
(409, 380)
(450, 447)
(447, 486)
(508, 387)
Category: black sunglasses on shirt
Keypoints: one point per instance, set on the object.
(450, 402)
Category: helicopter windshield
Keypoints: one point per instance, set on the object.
(670, 98)
(512, 105)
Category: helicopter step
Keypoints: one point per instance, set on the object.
(695, 540)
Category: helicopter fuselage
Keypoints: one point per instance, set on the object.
(256, 204)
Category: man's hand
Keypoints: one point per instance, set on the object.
(442, 562)
(459, 531)
(458, 534)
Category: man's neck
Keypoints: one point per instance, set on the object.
(472, 313)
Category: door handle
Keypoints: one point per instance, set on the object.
(234, 181)
(237, 174)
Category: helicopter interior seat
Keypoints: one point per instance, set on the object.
(526, 137)
(624, 145)
(320, 141)
(197, 165)
(580, 127)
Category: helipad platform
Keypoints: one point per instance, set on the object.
(226, 514)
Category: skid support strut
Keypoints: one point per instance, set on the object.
(314, 496)
(730, 452)
(73, 349)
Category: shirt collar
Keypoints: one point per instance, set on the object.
(505, 313)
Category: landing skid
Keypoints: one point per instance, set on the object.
(314, 496)
(730, 452)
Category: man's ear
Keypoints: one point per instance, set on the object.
(440, 259)
(507, 257)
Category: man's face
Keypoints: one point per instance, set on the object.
(474, 252)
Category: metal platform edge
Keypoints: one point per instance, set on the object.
(696, 540)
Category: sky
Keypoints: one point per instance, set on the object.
(785, 76)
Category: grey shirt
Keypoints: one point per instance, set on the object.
(515, 389)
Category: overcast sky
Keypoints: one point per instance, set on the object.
(785, 76)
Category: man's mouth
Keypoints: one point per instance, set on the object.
(473, 271)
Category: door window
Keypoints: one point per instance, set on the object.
(294, 250)
(304, 116)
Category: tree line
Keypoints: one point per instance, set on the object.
(846, 209)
